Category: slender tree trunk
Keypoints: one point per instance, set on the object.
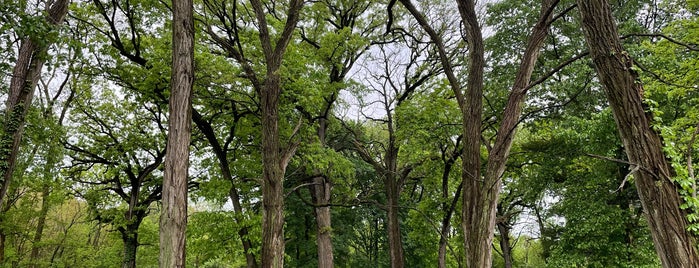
(130, 238)
(25, 75)
(675, 245)
(505, 245)
(250, 260)
(222, 156)
(173, 219)
(448, 209)
(41, 222)
(3, 238)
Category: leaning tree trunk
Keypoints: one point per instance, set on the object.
(25, 75)
(173, 218)
(661, 202)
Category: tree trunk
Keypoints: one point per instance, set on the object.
(505, 245)
(3, 238)
(25, 75)
(173, 219)
(34, 255)
(320, 194)
(661, 202)
(395, 241)
(272, 178)
(273, 162)
(130, 238)
(481, 194)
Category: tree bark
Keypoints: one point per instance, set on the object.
(481, 193)
(25, 76)
(173, 218)
(395, 240)
(41, 222)
(273, 160)
(320, 195)
(130, 238)
(505, 245)
(661, 202)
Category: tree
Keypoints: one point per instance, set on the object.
(173, 219)
(481, 191)
(25, 75)
(268, 86)
(116, 156)
(652, 173)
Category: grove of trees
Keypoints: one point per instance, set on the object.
(349, 133)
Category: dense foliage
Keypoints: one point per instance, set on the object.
(369, 122)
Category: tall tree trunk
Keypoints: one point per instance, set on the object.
(272, 178)
(173, 219)
(661, 202)
(130, 238)
(320, 195)
(25, 75)
(481, 194)
(321, 191)
(41, 222)
(273, 160)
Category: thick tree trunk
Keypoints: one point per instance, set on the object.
(481, 194)
(320, 194)
(273, 162)
(130, 238)
(661, 202)
(25, 75)
(395, 241)
(272, 178)
(173, 219)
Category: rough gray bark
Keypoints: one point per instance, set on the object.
(661, 202)
(173, 218)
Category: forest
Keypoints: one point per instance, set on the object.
(349, 133)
